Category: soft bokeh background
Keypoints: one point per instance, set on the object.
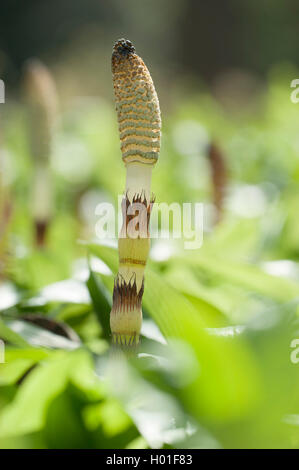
(214, 369)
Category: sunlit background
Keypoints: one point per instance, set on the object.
(214, 368)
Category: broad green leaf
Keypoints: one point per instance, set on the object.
(248, 276)
(34, 354)
(11, 372)
(27, 413)
(101, 302)
(19, 361)
(228, 385)
(213, 309)
(11, 336)
(40, 337)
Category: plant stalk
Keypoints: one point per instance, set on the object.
(139, 121)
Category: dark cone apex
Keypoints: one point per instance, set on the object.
(123, 48)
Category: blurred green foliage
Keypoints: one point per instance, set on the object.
(214, 367)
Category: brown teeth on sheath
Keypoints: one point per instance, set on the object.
(129, 211)
(125, 295)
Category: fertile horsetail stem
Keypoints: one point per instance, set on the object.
(41, 103)
(139, 122)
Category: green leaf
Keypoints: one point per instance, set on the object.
(101, 302)
(11, 336)
(247, 276)
(11, 372)
(18, 362)
(27, 413)
(37, 336)
(228, 385)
